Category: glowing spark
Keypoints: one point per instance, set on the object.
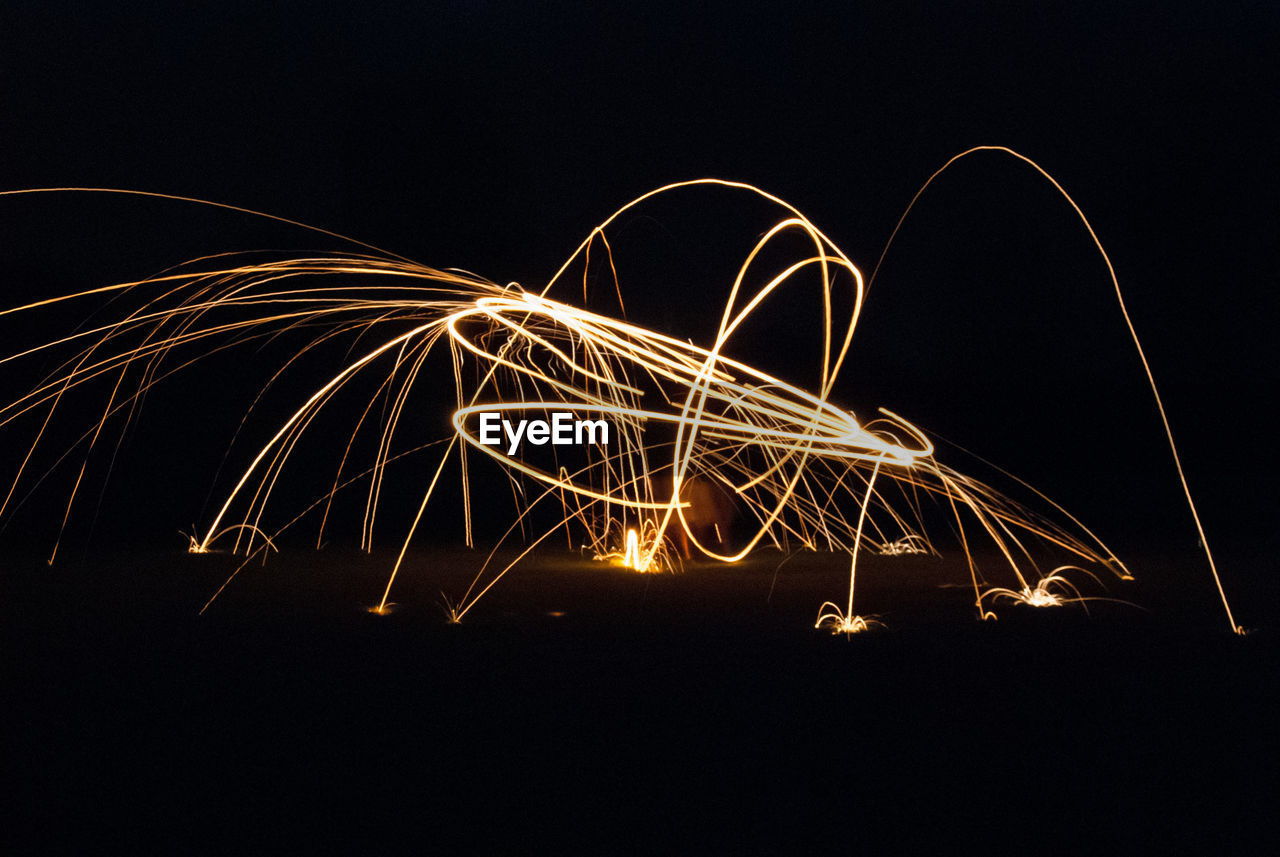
(847, 622)
(452, 614)
(831, 618)
(203, 546)
(634, 555)
(1053, 590)
(631, 559)
(907, 545)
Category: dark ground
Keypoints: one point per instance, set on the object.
(287, 713)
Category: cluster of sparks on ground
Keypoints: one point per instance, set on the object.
(802, 470)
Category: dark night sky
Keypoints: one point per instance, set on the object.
(492, 137)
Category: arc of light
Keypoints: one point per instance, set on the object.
(315, 397)
(1133, 333)
(699, 388)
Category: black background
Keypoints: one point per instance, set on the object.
(492, 137)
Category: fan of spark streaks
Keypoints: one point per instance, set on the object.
(802, 470)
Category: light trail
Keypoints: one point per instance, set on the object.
(796, 464)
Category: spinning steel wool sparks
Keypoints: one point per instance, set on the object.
(621, 419)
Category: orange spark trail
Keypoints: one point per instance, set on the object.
(795, 463)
